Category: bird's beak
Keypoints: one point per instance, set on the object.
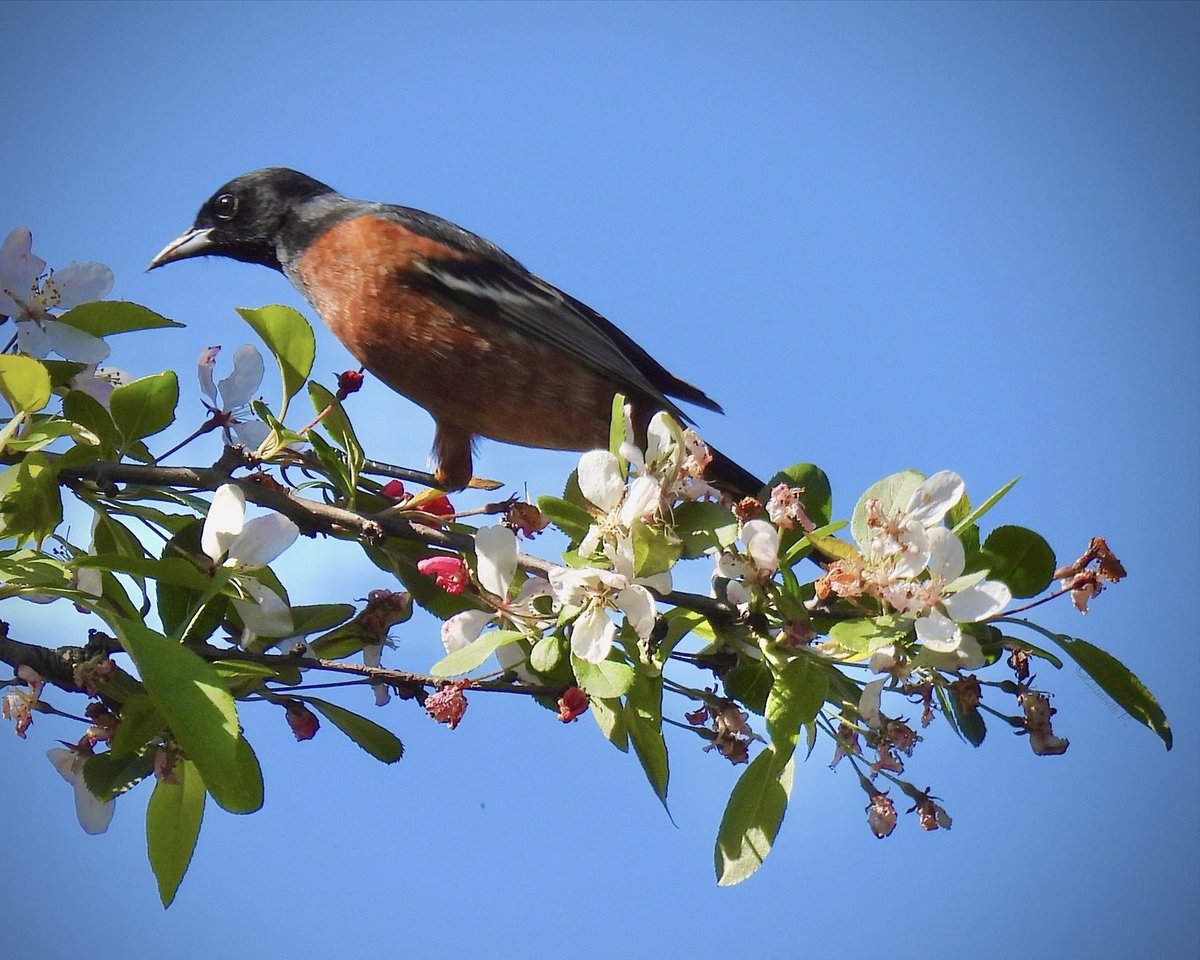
(193, 243)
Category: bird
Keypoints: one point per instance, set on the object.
(447, 319)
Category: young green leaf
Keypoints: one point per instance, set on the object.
(32, 505)
(173, 818)
(290, 339)
(340, 428)
(24, 383)
(467, 658)
(973, 516)
(753, 816)
(378, 741)
(570, 518)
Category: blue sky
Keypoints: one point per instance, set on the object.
(888, 235)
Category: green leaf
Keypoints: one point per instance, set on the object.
(61, 370)
(972, 517)
(749, 682)
(643, 717)
(606, 679)
(1120, 683)
(108, 774)
(145, 406)
(32, 504)
(571, 519)
(969, 723)
(610, 717)
(173, 570)
(86, 411)
(548, 654)
(704, 525)
(1018, 557)
(173, 818)
(753, 816)
(796, 698)
(200, 712)
(341, 429)
(655, 549)
(141, 721)
(102, 318)
(467, 658)
(893, 493)
(290, 339)
(378, 741)
(24, 383)
(817, 497)
(868, 635)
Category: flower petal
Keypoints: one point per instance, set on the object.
(225, 520)
(600, 479)
(32, 339)
(265, 613)
(645, 494)
(637, 604)
(463, 628)
(762, 544)
(938, 632)
(204, 370)
(75, 344)
(946, 554)
(592, 634)
(934, 498)
(250, 433)
(238, 388)
(496, 556)
(262, 540)
(868, 703)
(93, 814)
(81, 283)
(19, 271)
(978, 602)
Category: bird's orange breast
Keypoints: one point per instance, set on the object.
(470, 371)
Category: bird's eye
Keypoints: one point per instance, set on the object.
(226, 206)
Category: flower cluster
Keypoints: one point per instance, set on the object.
(29, 293)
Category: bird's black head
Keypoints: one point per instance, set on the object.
(243, 219)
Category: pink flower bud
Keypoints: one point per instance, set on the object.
(450, 572)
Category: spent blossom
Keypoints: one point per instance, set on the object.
(29, 294)
(18, 703)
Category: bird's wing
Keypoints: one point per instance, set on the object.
(506, 292)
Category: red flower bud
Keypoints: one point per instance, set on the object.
(348, 382)
(393, 490)
(571, 704)
(304, 722)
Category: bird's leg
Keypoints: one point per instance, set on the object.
(452, 456)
